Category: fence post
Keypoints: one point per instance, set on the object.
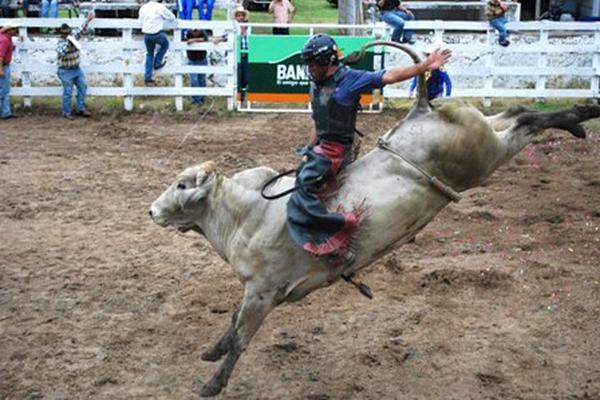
(540, 85)
(178, 63)
(488, 85)
(127, 38)
(232, 64)
(24, 54)
(596, 65)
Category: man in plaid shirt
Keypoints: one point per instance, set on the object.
(69, 72)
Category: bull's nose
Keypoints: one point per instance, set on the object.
(150, 214)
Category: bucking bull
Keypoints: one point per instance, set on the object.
(420, 165)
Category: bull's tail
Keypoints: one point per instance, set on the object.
(422, 102)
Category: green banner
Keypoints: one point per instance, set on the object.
(275, 66)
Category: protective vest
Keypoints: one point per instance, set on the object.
(334, 121)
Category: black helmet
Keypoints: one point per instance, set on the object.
(320, 48)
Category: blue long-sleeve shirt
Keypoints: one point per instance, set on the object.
(435, 89)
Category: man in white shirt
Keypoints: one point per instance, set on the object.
(152, 16)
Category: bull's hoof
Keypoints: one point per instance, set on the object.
(211, 355)
(210, 390)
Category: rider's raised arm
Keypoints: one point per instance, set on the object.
(435, 60)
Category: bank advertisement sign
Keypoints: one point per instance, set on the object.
(276, 72)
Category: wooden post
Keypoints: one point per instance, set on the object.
(232, 83)
(178, 63)
(540, 85)
(595, 81)
(488, 85)
(26, 75)
(128, 76)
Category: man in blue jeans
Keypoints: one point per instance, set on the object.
(152, 16)
(395, 14)
(6, 52)
(197, 57)
(494, 12)
(49, 8)
(69, 72)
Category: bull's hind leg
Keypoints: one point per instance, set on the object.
(254, 308)
(506, 119)
(224, 344)
(529, 123)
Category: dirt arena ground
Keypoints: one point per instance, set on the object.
(498, 298)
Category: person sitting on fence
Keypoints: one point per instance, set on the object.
(335, 93)
(49, 8)
(69, 72)
(185, 8)
(205, 9)
(395, 14)
(152, 16)
(6, 51)
(240, 14)
(283, 13)
(436, 80)
(197, 57)
(4, 9)
(494, 12)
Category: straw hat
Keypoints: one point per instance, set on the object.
(10, 25)
(240, 9)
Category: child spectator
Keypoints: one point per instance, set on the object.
(283, 13)
(69, 72)
(435, 80)
(395, 14)
(494, 12)
(197, 57)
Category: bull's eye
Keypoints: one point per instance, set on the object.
(181, 186)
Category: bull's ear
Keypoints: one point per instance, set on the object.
(206, 171)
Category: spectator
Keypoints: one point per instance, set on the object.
(240, 14)
(205, 9)
(4, 10)
(6, 51)
(69, 72)
(152, 16)
(185, 8)
(283, 13)
(197, 57)
(494, 12)
(50, 6)
(436, 80)
(395, 14)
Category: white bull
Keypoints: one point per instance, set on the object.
(455, 143)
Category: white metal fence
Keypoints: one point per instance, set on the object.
(124, 66)
(543, 51)
(480, 67)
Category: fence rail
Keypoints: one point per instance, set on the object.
(538, 42)
(125, 66)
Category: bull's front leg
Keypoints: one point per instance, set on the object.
(253, 310)
(224, 344)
